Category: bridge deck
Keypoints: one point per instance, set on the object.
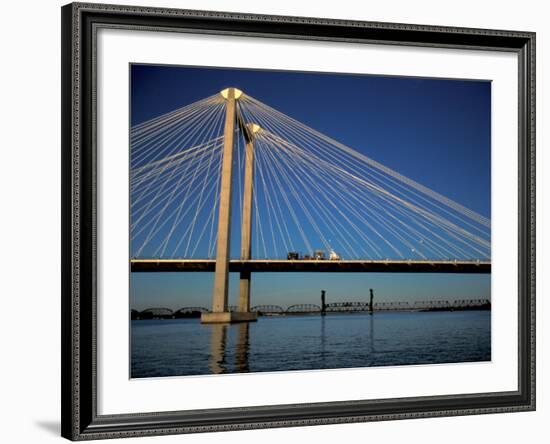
(348, 266)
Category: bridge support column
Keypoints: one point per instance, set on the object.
(244, 291)
(220, 312)
(371, 304)
(246, 229)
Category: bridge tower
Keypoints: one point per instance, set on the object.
(220, 311)
(371, 303)
(249, 132)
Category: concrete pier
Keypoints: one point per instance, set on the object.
(228, 316)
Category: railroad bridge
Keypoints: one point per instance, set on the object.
(333, 307)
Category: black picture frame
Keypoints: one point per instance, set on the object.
(79, 385)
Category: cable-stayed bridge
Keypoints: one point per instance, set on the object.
(230, 184)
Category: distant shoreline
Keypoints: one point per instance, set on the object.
(197, 314)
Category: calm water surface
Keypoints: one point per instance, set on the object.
(187, 347)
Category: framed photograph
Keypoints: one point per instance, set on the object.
(280, 221)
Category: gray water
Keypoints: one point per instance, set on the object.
(186, 347)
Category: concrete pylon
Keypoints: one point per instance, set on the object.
(220, 312)
(371, 303)
(246, 229)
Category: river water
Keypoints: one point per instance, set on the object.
(304, 342)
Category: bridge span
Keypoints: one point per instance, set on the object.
(347, 266)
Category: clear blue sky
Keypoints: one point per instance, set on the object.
(436, 132)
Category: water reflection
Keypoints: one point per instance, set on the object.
(323, 340)
(230, 345)
(220, 349)
(281, 343)
(218, 341)
(241, 356)
(371, 332)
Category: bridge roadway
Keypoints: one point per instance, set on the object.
(283, 265)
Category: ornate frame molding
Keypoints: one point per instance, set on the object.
(80, 22)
